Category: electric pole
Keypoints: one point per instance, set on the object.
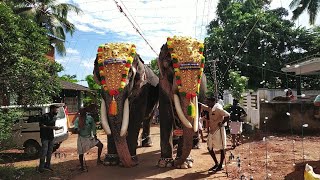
(215, 80)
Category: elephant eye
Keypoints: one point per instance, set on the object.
(213, 114)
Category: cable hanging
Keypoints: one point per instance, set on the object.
(134, 27)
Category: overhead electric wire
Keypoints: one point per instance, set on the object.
(131, 16)
(134, 27)
(232, 59)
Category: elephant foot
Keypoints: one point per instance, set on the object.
(134, 159)
(146, 142)
(165, 162)
(111, 160)
(186, 164)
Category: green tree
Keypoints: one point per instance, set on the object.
(248, 37)
(94, 95)
(299, 6)
(154, 66)
(51, 15)
(24, 71)
(7, 118)
(69, 78)
(238, 84)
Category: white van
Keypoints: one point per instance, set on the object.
(26, 131)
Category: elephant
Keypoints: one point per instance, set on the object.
(129, 93)
(181, 84)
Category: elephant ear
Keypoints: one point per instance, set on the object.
(137, 77)
(152, 78)
(96, 75)
(203, 88)
(165, 64)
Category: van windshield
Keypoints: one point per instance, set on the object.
(61, 114)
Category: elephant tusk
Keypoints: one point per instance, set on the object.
(196, 118)
(125, 118)
(182, 118)
(104, 118)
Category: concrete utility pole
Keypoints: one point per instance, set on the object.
(216, 91)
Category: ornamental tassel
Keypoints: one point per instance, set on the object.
(113, 111)
(191, 110)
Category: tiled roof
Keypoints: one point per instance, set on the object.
(73, 86)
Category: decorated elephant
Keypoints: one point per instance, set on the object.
(129, 95)
(182, 84)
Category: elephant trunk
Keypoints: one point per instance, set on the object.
(121, 145)
(187, 146)
(118, 129)
(188, 129)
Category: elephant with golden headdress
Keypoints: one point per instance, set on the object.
(129, 95)
(182, 85)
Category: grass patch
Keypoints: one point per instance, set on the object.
(9, 172)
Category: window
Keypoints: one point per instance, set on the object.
(72, 104)
(61, 113)
(31, 115)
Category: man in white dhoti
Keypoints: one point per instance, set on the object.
(217, 133)
(236, 115)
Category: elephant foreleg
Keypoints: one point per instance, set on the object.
(188, 163)
(153, 97)
(166, 120)
(137, 113)
(146, 140)
(112, 157)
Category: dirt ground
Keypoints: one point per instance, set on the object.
(283, 155)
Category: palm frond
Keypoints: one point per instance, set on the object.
(60, 48)
(313, 10)
(67, 25)
(294, 4)
(299, 10)
(25, 11)
(64, 8)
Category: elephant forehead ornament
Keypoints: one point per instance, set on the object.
(188, 63)
(114, 61)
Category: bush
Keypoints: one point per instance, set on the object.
(7, 118)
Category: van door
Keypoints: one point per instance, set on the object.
(30, 129)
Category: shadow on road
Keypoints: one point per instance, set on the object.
(146, 169)
(14, 157)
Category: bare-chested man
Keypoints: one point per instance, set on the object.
(217, 133)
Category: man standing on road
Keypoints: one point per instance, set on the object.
(217, 134)
(236, 115)
(85, 126)
(47, 125)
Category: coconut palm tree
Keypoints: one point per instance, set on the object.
(299, 6)
(51, 15)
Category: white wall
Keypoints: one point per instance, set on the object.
(261, 95)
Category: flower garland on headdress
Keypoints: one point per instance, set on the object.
(114, 61)
(188, 61)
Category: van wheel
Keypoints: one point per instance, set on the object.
(32, 149)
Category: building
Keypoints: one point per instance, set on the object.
(72, 95)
